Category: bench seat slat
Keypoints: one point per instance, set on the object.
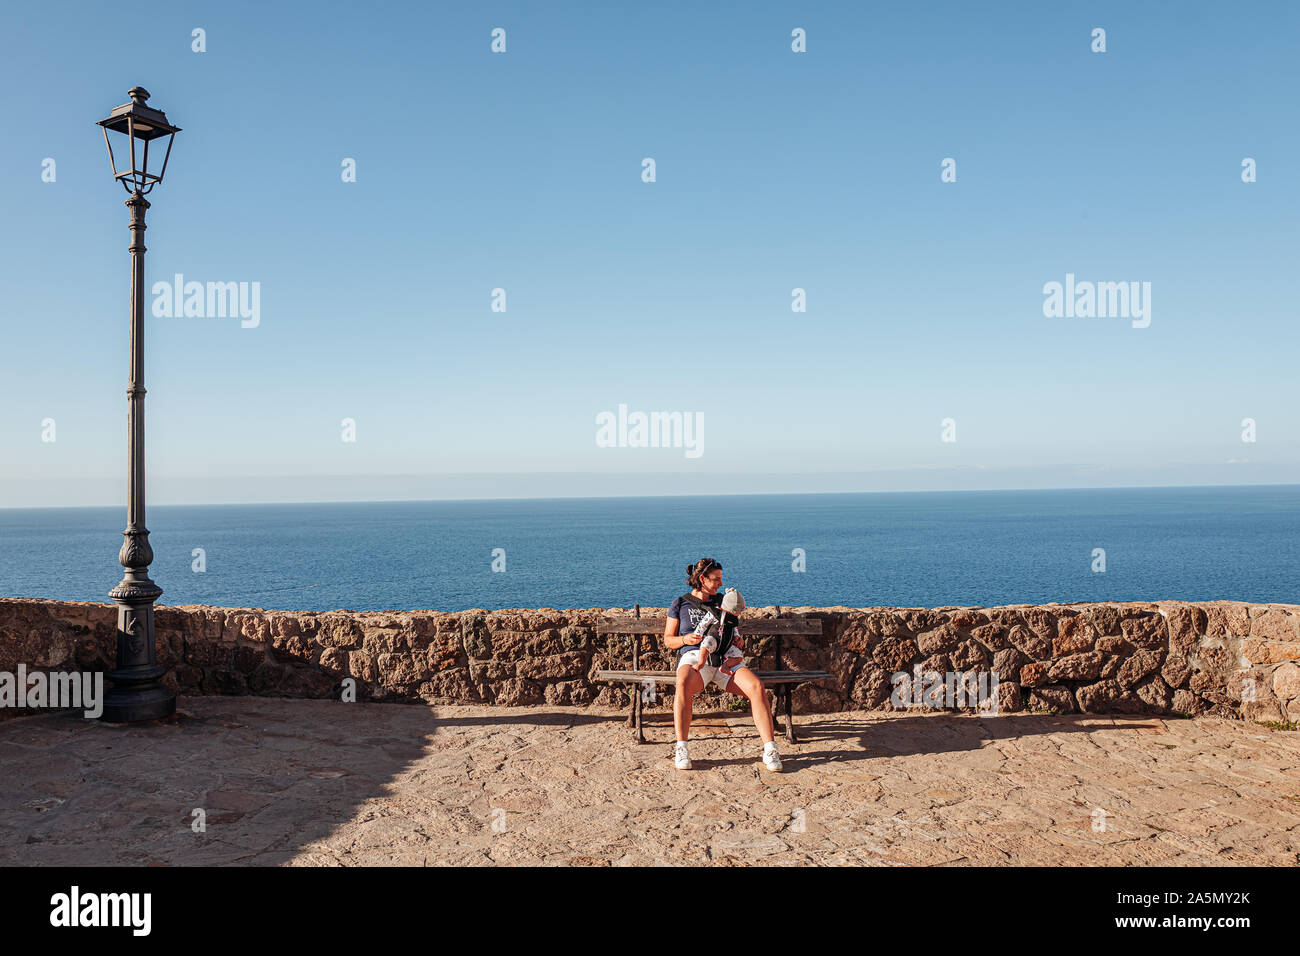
(758, 627)
(669, 677)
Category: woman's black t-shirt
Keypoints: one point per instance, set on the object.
(689, 617)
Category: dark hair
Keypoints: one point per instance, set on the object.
(697, 570)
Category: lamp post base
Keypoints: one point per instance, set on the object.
(136, 693)
(136, 697)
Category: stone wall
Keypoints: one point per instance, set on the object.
(1224, 658)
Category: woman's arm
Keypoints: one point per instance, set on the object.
(673, 640)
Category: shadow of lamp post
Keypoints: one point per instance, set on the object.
(136, 693)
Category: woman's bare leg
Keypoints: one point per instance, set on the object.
(745, 683)
(689, 683)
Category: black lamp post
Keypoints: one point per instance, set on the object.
(136, 693)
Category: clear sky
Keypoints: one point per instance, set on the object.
(774, 170)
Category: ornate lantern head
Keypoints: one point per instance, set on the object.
(142, 125)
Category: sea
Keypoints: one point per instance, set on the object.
(908, 549)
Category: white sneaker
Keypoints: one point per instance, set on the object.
(771, 759)
(681, 758)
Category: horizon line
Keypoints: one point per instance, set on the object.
(719, 494)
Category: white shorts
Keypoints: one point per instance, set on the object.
(711, 674)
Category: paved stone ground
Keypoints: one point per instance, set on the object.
(299, 782)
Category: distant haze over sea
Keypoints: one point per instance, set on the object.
(54, 492)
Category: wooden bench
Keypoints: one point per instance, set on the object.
(784, 681)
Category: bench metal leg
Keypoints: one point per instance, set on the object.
(636, 698)
(634, 713)
(789, 722)
(639, 737)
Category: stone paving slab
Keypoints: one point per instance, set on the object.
(322, 783)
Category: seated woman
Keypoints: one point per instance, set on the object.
(684, 616)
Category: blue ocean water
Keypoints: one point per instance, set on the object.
(922, 549)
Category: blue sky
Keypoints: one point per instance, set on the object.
(774, 170)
